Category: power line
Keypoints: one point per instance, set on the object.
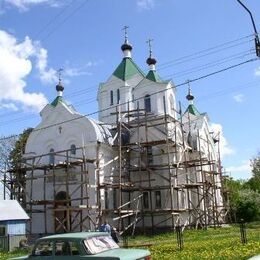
(136, 99)
(209, 50)
(53, 19)
(175, 75)
(92, 99)
(65, 20)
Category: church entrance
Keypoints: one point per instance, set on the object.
(62, 213)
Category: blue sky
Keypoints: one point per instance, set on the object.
(191, 39)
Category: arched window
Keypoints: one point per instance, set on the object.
(111, 98)
(73, 149)
(118, 95)
(51, 156)
(147, 103)
(171, 104)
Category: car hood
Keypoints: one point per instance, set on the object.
(125, 254)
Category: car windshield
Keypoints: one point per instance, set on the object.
(100, 244)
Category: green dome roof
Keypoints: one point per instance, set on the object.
(127, 69)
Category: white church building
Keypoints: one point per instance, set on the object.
(144, 166)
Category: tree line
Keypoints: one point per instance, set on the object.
(243, 196)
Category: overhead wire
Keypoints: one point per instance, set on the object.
(79, 92)
(175, 75)
(136, 99)
(92, 99)
(66, 18)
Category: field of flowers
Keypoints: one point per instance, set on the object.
(220, 243)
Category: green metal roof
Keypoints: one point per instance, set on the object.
(126, 69)
(153, 76)
(192, 110)
(57, 100)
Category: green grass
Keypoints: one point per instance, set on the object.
(221, 243)
(19, 252)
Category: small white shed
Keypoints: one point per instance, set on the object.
(12, 224)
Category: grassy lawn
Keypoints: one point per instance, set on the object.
(221, 243)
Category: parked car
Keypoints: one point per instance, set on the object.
(90, 245)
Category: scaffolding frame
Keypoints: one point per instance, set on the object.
(206, 186)
(192, 183)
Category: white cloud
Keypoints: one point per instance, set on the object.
(24, 5)
(225, 149)
(47, 75)
(239, 98)
(15, 66)
(9, 106)
(257, 71)
(145, 4)
(242, 171)
(244, 167)
(73, 71)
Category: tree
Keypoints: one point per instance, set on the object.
(17, 152)
(248, 205)
(6, 146)
(254, 182)
(17, 172)
(233, 195)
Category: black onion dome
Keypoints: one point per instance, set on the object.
(126, 46)
(151, 61)
(59, 87)
(190, 96)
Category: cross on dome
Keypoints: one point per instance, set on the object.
(59, 87)
(150, 61)
(126, 47)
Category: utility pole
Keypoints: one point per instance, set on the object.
(257, 42)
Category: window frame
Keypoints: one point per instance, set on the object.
(111, 98)
(73, 149)
(118, 95)
(158, 203)
(147, 103)
(145, 200)
(52, 156)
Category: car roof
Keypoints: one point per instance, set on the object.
(74, 236)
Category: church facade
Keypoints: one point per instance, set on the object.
(142, 166)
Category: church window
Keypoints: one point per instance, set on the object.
(111, 98)
(73, 149)
(171, 104)
(51, 156)
(158, 199)
(145, 200)
(118, 95)
(114, 198)
(106, 199)
(149, 155)
(147, 103)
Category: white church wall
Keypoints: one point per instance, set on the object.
(125, 92)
